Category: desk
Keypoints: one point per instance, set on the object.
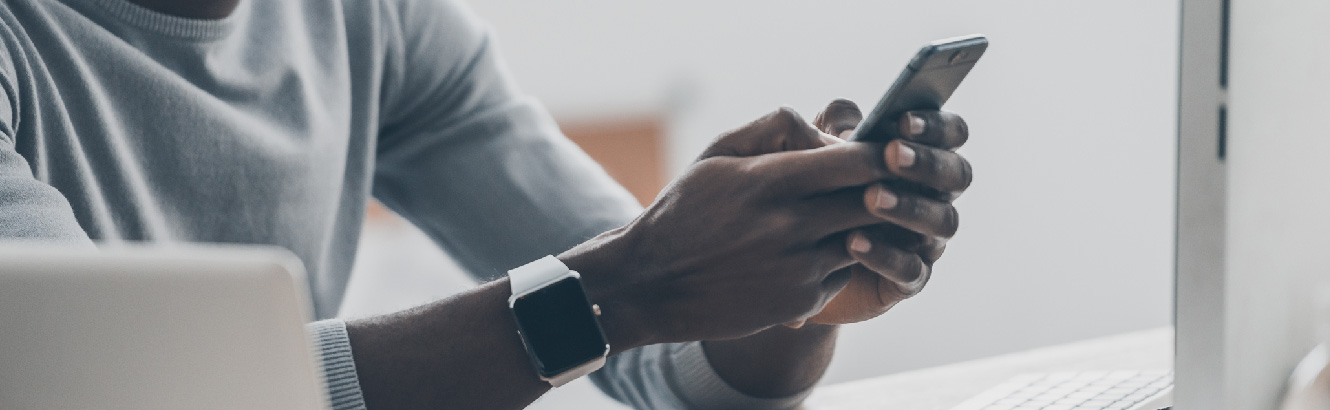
(943, 387)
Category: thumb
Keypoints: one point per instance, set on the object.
(839, 118)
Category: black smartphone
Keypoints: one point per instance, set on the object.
(925, 84)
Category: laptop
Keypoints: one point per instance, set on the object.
(1253, 273)
(155, 328)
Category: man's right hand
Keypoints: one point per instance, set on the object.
(740, 242)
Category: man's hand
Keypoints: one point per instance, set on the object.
(740, 242)
(773, 220)
(778, 362)
(753, 235)
(895, 259)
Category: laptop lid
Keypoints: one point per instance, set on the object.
(155, 328)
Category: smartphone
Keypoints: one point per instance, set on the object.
(925, 84)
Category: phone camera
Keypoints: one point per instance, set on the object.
(959, 56)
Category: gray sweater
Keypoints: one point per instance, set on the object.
(275, 126)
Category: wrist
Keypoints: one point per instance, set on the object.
(606, 266)
(776, 362)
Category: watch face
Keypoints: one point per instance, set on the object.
(559, 327)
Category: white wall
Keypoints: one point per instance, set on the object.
(1067, 231)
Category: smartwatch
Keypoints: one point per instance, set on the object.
(558, 324)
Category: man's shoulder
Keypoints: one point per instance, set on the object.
(441, 19)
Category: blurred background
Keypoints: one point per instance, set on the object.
(1067, 232)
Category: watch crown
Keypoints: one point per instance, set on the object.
(595, 309)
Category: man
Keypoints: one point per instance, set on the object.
(273, 121)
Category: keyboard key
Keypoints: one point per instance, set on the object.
(1073, 385)
(1047, 397)
(1121, 375)
(1119, 390)
(1037, 403)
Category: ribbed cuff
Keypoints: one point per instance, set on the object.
(699, 385)
(339, 367)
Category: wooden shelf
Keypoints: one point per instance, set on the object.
(631, 150)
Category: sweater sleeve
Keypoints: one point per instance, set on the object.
(29, 208)
(487, 174)
(677, 376)
(479, 167)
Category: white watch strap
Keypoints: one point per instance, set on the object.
(536, 273)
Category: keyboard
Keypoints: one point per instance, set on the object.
(1126, 390)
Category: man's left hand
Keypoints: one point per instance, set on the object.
(896, 257)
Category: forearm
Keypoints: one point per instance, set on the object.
(461, 352)
(777, 362)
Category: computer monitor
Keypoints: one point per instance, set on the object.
(1253, 210)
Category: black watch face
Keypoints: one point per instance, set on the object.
(559, 327)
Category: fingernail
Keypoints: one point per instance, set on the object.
(917, 124)
(885, 199)
(859, 243)
(904, 155)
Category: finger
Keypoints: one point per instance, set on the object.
(935, 168)
(832, 286)
(821, 170)
(839, 117)
(905, 185)
(939, 129)
(860, 300)
(830, 258)
(833, 262)
(825, 214)
(900, 237)
(837, 280)
(844, 210)
(929, 248)
(905, 270)
(781, 130)
(916, 213)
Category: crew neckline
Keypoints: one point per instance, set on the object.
(173, 26)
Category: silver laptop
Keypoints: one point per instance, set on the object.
(1252, 218)
(154, 329)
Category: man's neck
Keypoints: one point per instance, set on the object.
(194, 9)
